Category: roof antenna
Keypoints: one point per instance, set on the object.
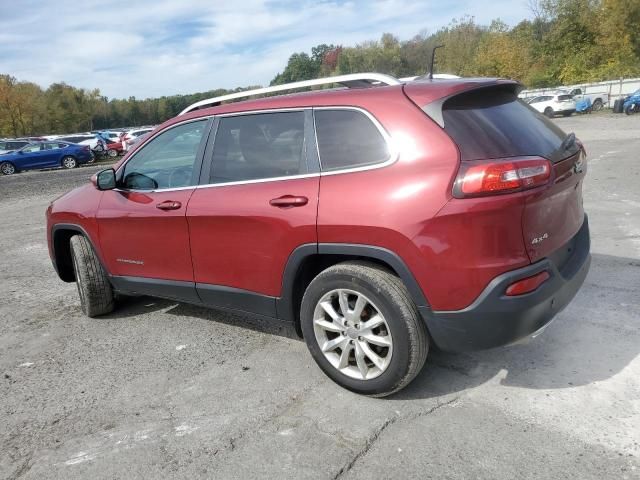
(433, 57)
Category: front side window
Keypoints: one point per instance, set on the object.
(348, 139)
(167, 161)
(259, 146)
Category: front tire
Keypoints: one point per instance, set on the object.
(7, 168)
(112, 153)
(548, 112)
(69, 162)
(362, 328)
(94, 289)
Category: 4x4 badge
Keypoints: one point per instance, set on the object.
(539, 239)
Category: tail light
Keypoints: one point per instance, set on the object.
(490, 177)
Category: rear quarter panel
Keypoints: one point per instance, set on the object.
(393, 206)
(453, 248)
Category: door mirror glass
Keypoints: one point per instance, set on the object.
(106, 179)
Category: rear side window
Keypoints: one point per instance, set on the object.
(259, 146)
(494, 123)
(348, 139)
(562, 98)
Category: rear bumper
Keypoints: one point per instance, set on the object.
(495, 319)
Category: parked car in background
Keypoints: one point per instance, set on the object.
(382, 221)
(597, 100)
(631, 103)
(11, 145)
(108, 135)
(129, 137)
(95, 142)
(45, 155)
(551, 105)
(138, 139)
(114, 148)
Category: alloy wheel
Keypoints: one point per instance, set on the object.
(8, 169)
(69, 162)
(353, 334)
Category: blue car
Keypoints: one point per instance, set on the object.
(45, 155)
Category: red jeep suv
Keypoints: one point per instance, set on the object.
(382, 218)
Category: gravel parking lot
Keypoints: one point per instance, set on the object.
(166, 390)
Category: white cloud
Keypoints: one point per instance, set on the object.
(163, 47)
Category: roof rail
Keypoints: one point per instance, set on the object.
(351, 80)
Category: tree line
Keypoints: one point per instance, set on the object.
(565, 42)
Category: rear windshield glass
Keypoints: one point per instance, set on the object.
(494, 123)
(562, 98)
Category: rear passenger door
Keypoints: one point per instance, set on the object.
(256, 203)
(52, 154)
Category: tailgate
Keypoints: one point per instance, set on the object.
(553, 215)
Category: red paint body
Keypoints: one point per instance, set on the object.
(233, 236)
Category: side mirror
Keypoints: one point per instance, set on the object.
(106, 179)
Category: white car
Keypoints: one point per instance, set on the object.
(94, 142)
(131, 136)
(113, 136)
(551, 105)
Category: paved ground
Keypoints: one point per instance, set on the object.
(162, 390)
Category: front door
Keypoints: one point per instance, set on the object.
(259, 205)
(142, 225)
(34, 156)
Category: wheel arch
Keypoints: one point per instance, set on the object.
(61, 249)
(307, 261)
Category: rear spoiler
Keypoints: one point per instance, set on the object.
(430, 97)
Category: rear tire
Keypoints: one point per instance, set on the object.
(597, 105)
(7, 168)
(69, 162)
(549, 112)
(94, 289)
(112, 153)
(374, 361)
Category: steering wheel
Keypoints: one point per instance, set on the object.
(180, 177)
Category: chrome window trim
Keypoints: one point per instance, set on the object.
(393, 152)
